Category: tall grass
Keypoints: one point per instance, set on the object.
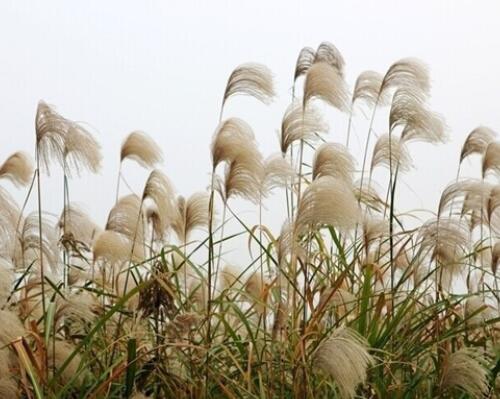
(347, 300)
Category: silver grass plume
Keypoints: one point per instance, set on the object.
(81, 150)
(470, 189)
(251, 79)
(301, 124)
(418, 123)
(51, 130)
(491, 158)
(344, 356)
(477, 141)
(159, 189)
(123, 218)
(242, 178)
(304, 61)
(18, 168)
(465, 370)
(330, 55)
(333, 159)
(10, 215)
(115, 247)
(326, 83)
(141, 148)
(76, 223)
(408, 73)
(390, 148)
(368, 89)
(232, 138)
(327, 201)
(278, 173)
(191, 214)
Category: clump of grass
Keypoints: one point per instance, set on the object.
(351, 297)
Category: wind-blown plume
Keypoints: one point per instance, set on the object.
(232, 138)
(76, 223)
(251, 79)
(408, 73)
(327, 201)
(140, 148)
(333, 159)
(476, 311)
(159, 189)
(81, 150)
(9, 217)
(491, 158)
(464, 370)
(277, 173)
(472, 189)
(389, 149)
(191, 214)
(242, 178)
(7, 278)
(124, 218)
(18, 168)
(51, 129)
(115, 248)
(345, 357)
(304, 62)
(367, 89)
(301, 124)
(330, 54)
(447, 241)
(367, 192)
(477, 141)
(326, 83)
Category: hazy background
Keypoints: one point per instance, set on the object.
(161, 66)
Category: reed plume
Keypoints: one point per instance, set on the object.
(304, 61)
(345, 357)
(477, 141)
(333, 159)
(326, 83)
(491, 158)
(191, 214)
(390, 150)
(81, 151)
(464, 370)
(253, 80)
(18, 168)
(301, 124)
(329, 54)
(140, 148)
(159, 189)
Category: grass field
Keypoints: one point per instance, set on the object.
(349, 299)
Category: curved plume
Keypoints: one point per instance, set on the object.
(300, 124)
(304, 62)
(330, 54)
(124, 218)
(464, 370)
(368, 88)
(408, 73)
(373, 229)
(390, 148)
(159, 189)
(115, 248)
(477, 141)
(493, 201)
(51, 129)
(81, 150)
(251, 79)
(232, 138)
(9, 218)
(141, 148)
(419, 124)
(18, 168)
(446, 241)
(345, 357)
(367, 193)
(326, 83)
(242, 178)
(76, 223)
(491, 158)
(30, 242)
(277, 173)
(473, 189)
(317, 206)
(190, 215)
(333, 159)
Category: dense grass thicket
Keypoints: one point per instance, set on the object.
(347, 300)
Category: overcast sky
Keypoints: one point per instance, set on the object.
(161, 66)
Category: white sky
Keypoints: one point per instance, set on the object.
(161, 66)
